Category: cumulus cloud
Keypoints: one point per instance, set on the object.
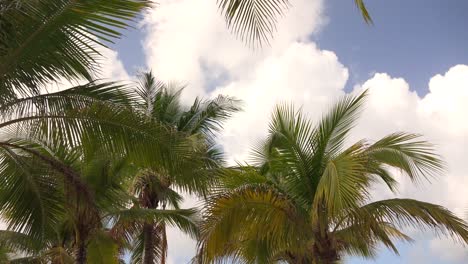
(302, 74)
(439, 116)
(187, 40)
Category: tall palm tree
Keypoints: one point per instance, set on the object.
(157, 187)
(40, 185)
(306, 196)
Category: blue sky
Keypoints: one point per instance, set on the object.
(414, 40)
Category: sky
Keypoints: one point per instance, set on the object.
(413, 60)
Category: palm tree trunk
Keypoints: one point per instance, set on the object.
(148, 232)
(326, 253)
(81, 253)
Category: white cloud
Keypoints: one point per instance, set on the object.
(187, 41)
(112, 68)
(302, 74)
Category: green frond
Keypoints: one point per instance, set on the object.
(408, 212)
(233, 178)
(157, 99)
(264, 213)
(362, 239)
(17, 242)
(45, 40)
(333, 128)
(253, 21)
(207, 116)
(344, 183)
(30, 195)
(407, 152)
(363, 9)
(102, 249)
(183, 219)
(289, 151)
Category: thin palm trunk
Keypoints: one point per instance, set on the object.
(81, 252)
(148, 231)
(150, 200)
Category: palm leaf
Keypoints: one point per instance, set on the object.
(265, 213)
(45, 40)
(254, 21)
(365, 14)
(102, 249)
(184, 219)
(408, 212)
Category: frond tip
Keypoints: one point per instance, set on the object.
(253, 21)
(364, 12)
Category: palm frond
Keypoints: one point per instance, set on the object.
(17, 242)
(289, 151)
(157, 99)
(30, 195)
(207, 117)
(45, 40)
(265, 214)
(102, 249)
(407, 152)
(413, 213)
(184, 219)
(253, 21)
(344, 182)
(363, 9)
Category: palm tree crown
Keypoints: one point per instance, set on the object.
(156, 187)
(306, 197)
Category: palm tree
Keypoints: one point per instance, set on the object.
(306, 197)
(81, 233)
(157, 187)
(41, 189)
(42, 41)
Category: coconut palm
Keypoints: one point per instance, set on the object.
(305, 198)
(40, 185)
(157, 187)
(81, 232)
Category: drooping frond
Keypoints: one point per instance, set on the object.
(363, 239)
(17, 242)
(44, 40)
(362, 7)
(30, 193)
(413, 213)
(407, 152)
(264, 213)
(254, 21)
(184, 219)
